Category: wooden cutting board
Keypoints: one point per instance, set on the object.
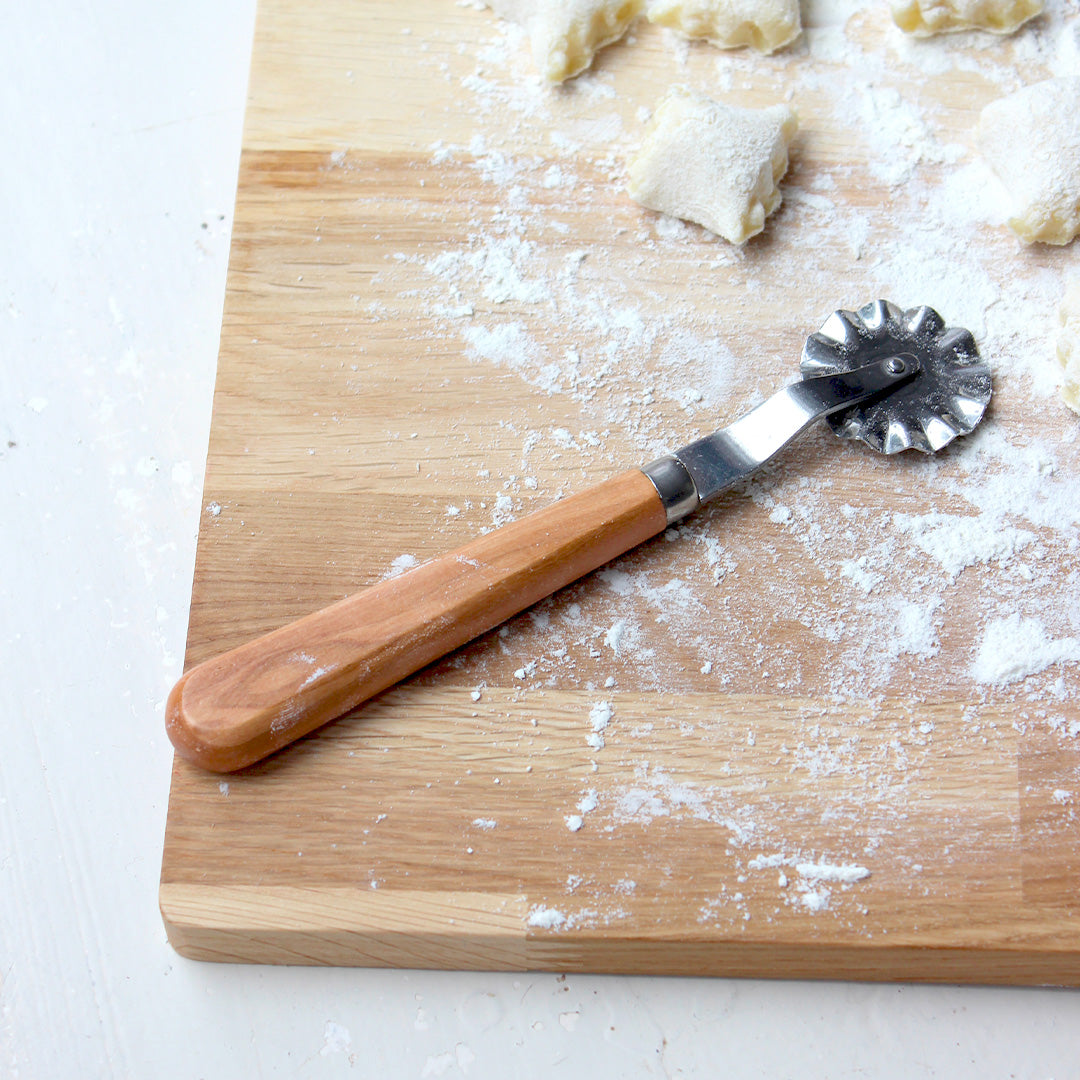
(776, 741)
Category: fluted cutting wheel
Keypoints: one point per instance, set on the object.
(947, 398)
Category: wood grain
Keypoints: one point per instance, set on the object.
(713, 756)
(237, 708)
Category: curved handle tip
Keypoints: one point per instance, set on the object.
(200, 745)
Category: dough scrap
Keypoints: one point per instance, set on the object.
(565, 35)
(1068, 346)
(713, 164)
(926, 17)
(765, 25)
(1031, 139)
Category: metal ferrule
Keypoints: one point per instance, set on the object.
(675, 486)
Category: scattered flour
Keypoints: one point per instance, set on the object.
(869, 570)
(1014, 647)
(546, 918)
(401, 564)
(613, 639)
(599, 718)
(842, 874)
(856, 572)
(957, 541)
(767, 862)
(314, 675)
(526, 671)
(812, 891)
(912, 629)
(814, 899)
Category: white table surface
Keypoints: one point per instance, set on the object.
(121, 135)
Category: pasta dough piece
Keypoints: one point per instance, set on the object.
(765, 25)
(565, 35)
(926, 17)
(717, 165)
(1068, 346)
(1031, 139)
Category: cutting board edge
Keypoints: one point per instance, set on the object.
(291, 926)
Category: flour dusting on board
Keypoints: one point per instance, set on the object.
(854, 623)
(1012, 648)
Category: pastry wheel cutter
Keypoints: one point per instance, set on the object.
(891, 378)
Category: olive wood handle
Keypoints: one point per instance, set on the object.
(237, 708)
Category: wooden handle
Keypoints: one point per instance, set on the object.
(243, 705)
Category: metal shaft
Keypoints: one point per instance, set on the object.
(703, 469)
